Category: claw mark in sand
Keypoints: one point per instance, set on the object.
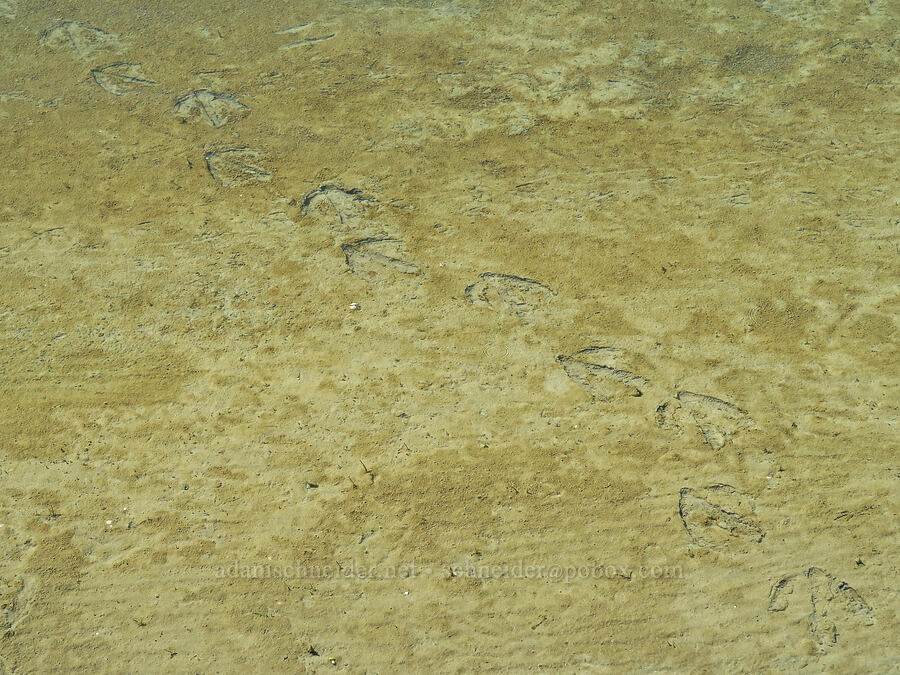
(83, 38)
(598, 370)
(833, 602)
(717, 420)
(720, 518)
(372, 256)
(508, 293)
(120, 78)
(214, 108)
(235, 166)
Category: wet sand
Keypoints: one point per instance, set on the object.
(449, 337)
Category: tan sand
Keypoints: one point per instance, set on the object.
(618, 392)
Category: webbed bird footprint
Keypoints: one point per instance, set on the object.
(716, 420)
(601, 372)
(509, 294)
(833, 603)
(236, 166)
(214, 108)
(338, 209)
(83, 38)
(121, 78)
(720, 518)
(377, 257)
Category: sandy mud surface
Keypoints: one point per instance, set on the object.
(448, 336)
